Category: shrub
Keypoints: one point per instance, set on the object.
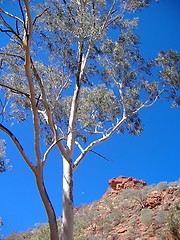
(161, 217)
(146, 216)
(162, 186)
(14, 235)
(174, 221)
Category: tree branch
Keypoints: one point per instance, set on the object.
(12, 55)
(38, 16)
(27, 66)
(10, 29)
(49, 149)
(100, 155)
(79, 146)
(15, 90)
(49, 114)
(72, 119)
(96, 142)
(11, 15)
(23, 16)
(145, 104)
(18, 145)
(69, 10)
(107, 136)
(156, 98)
(111, 11)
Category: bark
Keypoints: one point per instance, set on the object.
(68, 205)
(48, 206)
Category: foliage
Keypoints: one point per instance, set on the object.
(3, 162)
(134, 195)
(162, 185)
(14, 235)
(174, 221)
(146, 216)
(104, 218)
(116, 81)
(75, 70)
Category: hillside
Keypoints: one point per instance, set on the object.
(129, 210)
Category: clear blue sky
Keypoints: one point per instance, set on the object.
(153, 157)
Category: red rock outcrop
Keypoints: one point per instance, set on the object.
(154, 199)
(116, 184)
(157, 198)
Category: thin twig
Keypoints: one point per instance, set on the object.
(100, 155)
(38, 16)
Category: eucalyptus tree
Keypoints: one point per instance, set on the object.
(75, 68)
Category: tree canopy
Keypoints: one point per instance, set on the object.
(95, 42)
(75, 68)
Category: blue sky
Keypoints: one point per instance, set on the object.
(153, 157)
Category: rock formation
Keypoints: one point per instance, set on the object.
(119, 183)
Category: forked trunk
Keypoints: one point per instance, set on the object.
(67, 211)
(48, 206)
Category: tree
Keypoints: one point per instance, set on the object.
(75, 69)
(3, 162)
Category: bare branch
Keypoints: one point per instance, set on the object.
(59, 95)
(145, 104)
(49, 149)
(93, 13)
(100, 155)
(12, 55)
(38, 16)
(107, 136)
(9, 28)
(27, 66)
(79, 146)
(96, 142)
(19, 146)
(112, 20)
(17, 28)
(120, 88)
(48, 113)
(15, 90)
(80, 73)
(111, 11)
(6, 31)
(11, 15)
(156, 98)
(69, 9)
(23, 16)
(3, 105)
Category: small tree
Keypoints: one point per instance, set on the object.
(74, 68)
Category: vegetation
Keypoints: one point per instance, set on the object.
(74, 70)
(174, 221)
(110, 218)
(3, 161)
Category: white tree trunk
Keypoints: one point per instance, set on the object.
(68, 206)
